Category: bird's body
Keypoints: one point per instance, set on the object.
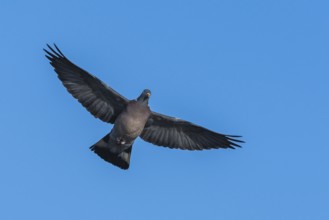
(131, 118)
(129, 125)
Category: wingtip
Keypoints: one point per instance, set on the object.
(58, 50)
(234, 136)
(49, 47)
(233, 142)
(48, 57)
(234, 145)
(54, 51)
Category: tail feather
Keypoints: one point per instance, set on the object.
(102, 149)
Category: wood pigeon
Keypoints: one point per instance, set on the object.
(131, 118)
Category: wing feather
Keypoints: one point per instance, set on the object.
(98, 98)
(171, 132)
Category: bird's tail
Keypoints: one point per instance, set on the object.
(102, 149)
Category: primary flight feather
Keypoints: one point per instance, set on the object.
(131, 118)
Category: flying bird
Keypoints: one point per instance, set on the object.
(131, 118)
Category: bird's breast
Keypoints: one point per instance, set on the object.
(133, 119)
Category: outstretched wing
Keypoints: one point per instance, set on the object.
(99, 99)
(171, 132)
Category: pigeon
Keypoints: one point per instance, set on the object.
(131, 118)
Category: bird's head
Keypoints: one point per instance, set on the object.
(144, 97)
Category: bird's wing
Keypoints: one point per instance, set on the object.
(171, 132)
(99, 99)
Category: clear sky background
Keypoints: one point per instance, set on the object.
(254, 68)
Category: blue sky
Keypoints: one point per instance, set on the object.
(254, 68)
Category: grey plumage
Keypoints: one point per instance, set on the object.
(131, 118)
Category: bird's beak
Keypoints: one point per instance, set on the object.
(148, 94)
